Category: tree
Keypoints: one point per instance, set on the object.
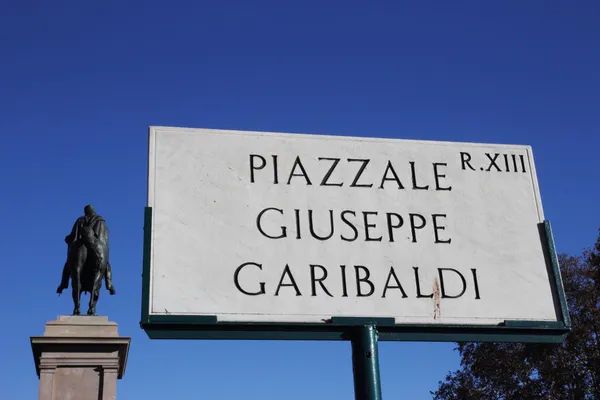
(570, 370)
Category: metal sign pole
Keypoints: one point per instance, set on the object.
(365, 363)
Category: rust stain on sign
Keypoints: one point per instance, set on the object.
(437, 311)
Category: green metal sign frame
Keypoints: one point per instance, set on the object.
(340, 328)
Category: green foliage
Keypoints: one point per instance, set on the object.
(565, 371)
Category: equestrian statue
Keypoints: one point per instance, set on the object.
(87, 260)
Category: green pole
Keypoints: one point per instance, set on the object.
(365, 363)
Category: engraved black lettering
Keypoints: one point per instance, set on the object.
(275, 171)
(297, 215)
(442, 287)
(413, 227)
(522, 163)
(414, 178)
(390, 168)
(237, 282)
(260, 228)
(392, 274)
(312, 229)
(359, 173)
(438, 176)
(391, 225)
(344, 282)
(514, 160)
(256, 167)
(368, 238)
(493, 161)
(474, 271)
(287, 272)
(330, 171)
(343, 216)
(441, 228)
(364, 279)
(314, 280)
(298, 163)
(465, 160)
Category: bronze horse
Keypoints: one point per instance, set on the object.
(87, 260)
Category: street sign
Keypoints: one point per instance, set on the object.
(252, 235)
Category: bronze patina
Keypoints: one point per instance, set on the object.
(87, 260)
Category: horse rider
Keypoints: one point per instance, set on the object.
(83, 229)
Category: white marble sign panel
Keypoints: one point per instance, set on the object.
(274, 227)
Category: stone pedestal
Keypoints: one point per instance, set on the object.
(80, 358)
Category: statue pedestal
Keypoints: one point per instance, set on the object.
(80, 357)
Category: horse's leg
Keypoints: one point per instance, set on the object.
(76, 288)
(95, 294)
(76, 267)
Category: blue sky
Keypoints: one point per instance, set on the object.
(80, 82)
